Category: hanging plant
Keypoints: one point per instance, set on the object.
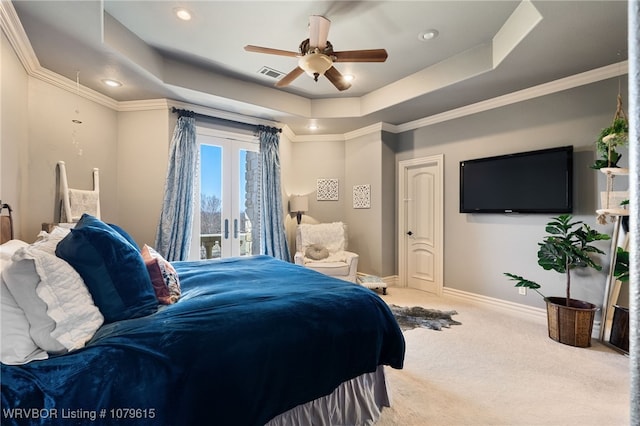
(612, 137)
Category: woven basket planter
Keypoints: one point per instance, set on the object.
(571, 325)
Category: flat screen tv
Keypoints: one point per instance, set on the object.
(526, 182)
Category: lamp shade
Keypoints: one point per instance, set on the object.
(298, 203)
(315, 63)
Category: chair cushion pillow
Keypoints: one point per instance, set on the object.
(316, 252)
(112, 269)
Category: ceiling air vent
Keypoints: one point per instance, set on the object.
(270, 72)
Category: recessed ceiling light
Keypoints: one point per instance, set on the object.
(313, 127)
(182, 13)
(111, 83)
(348, 77)
(428, 35)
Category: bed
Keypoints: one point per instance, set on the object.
(251, 340)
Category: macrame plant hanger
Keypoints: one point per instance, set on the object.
(609, 171)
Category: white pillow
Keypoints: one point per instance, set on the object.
(48, 241)
(8, 249)
(22, 280)
(60, 290)
(17, 347)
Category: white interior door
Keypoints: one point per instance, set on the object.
(421, 224)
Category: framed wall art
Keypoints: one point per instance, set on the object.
(361, 196)
(327, 190)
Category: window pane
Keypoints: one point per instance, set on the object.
(210, 200)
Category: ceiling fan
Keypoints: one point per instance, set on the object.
(316, 55)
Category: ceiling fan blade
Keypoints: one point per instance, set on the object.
(270, 51)
(334, 76)
(371, 55)
(318, 31)
(287, 79)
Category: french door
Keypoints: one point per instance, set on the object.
(226, 217)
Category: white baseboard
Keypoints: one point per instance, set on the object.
(392, 280)
(498, 304)
(524, 311)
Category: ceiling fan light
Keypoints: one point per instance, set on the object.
(315, 64)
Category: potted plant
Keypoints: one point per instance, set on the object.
(566, 247)
(610, 138)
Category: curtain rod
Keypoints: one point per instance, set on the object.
(255, 127)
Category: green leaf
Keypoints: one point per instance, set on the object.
(621, 268)
(522, 282)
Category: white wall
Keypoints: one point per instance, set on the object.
(144, 138)
(40, 130)
(51, 111)
(313, 160)
(13, 132)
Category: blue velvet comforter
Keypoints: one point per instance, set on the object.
(249, 339)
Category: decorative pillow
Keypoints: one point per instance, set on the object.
(17, 347)
(163, 276)
(60, 310)
(112, 269)
(316, 252)
(124, 233)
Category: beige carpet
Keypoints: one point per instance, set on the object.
(499, 369)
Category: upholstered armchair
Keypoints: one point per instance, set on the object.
(323, 248)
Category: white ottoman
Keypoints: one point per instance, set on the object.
(372, 282)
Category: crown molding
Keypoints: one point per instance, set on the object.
(18, 39)
(64, 83)
(218, 113)
(14, 31)
(373, 128)
(143, 105)
(577, 80)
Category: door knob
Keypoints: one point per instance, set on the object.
(409, 233)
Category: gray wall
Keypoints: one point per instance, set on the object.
(130, 148)
(480, 247)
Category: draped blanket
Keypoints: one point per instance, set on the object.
(249, 339)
